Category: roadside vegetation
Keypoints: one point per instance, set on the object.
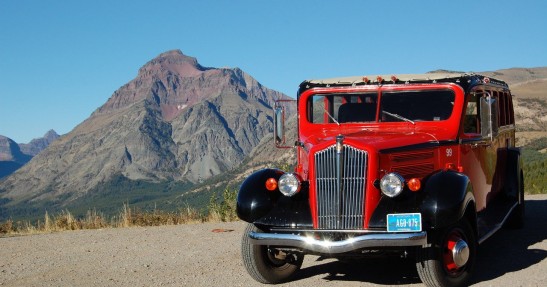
(221, 208)
(535, 166)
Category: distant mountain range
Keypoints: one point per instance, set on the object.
(173, 126)
(37, 145)
(172, 136)
(13, 155)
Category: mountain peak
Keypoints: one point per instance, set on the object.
(36, 145)
(176, 56)
(173, 61)
(175, 52)
(51, 135)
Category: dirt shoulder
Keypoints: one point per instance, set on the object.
(209, 255)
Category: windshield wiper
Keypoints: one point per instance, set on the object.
(331, 117)
(399, 117)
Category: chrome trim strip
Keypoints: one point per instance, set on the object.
(335, 247)
(339, 180)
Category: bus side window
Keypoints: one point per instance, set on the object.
(511, 111)
(471, 124)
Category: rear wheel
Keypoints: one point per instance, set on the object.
(266, 264)
(449, 257)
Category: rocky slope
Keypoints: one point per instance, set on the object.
(529, 89)
(175, 122)
(13, 156)
(10, 151)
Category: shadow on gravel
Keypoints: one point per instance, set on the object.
(383, 271)
(505, 252)
(511, 250)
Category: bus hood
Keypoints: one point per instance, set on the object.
(373, 140)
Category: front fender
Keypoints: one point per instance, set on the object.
(442, 201)
(447, 195)
(254, 200)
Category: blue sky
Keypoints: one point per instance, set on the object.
(60, 60)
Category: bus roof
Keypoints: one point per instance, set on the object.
(463, 79)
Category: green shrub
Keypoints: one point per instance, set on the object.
(223, 209)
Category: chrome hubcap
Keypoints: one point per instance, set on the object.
(460, 253)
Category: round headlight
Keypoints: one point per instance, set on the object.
(289, 184)
(392, 184)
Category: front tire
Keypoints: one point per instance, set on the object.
(449, 257)
(265, 264)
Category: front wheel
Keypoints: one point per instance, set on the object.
(449, 257)
(266, 264)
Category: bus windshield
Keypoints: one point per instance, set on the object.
(393, 106)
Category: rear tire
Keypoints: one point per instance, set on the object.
(436, 264)
(265, 264)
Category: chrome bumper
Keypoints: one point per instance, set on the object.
(347, 245)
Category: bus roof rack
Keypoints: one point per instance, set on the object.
(436, 77)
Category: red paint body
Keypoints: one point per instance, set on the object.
(422, 164)
(378, 136)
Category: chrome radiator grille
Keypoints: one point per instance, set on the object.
(340, 187)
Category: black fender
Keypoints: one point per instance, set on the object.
(447, 195)
(443, 200)
(514, 188)
(269, 209)
(513, 178)
(407, 202)
(253, 199)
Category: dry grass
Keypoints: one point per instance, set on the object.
(127, 217)
(221, 208)
(133, 217)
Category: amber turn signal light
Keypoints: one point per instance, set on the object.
(271, 184)
(414, 184)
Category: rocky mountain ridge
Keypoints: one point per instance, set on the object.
(13, 155)
(10, 151)
(176, 122)
(37, 145)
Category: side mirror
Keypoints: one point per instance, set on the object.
(279, 125)
(489, 117)
(283, 109)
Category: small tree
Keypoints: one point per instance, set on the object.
(223, 209)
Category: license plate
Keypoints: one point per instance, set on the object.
(404, 222)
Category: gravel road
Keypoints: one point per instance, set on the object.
(199, 255)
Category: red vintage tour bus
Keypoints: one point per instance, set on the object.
(408, 165)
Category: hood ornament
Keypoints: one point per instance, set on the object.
(339, 144)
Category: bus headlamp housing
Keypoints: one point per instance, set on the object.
(392, 184)
(289, 184)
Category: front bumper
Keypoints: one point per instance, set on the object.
(342, 246)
